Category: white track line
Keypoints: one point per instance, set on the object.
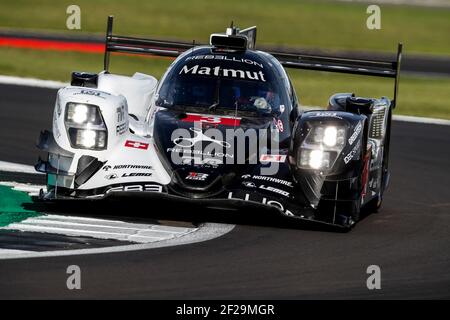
(205, 232)
(395, 117)
(12, 253)
(16, 167)
(421, 120)
(98, 228)
(31, 189)
(31, 82)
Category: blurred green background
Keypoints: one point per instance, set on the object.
(328, 25)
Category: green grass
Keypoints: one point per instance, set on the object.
(417, 96)
(306, 23)
(12, 206)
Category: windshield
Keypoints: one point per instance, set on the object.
(219, 86)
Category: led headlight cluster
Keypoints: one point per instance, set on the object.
(321, 147)
(85, 126)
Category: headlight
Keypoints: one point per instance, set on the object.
(315, 159)
(321, 147)
(85, 126)
(330, 136)
(78, 113)
(87, 139)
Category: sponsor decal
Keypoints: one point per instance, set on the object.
(278, 125)
(121, 128)
(198, 137)
(272, 158)
(111, 176)
(127, 166)
(352, 153)
(90, 92)
(210, 119)
(136, 174)
(249, 184)
(218, 71)
(213, 162)
(197, 176)
(120, 112)
(264, 201)
(275, 190)
(128, 175)
(192, 153)
(321, 114)
(355, 133)
(94, 93)
(136, 145)
(269, 179)
(136, 188)
(226, 58)
(365, 174)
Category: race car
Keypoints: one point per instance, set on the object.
(222, 128)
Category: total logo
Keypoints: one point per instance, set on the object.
(197, 176)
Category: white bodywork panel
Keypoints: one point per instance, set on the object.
(130, 164)
(130, 155)
(137, 90)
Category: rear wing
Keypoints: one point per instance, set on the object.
(377, 68)
(131, 45)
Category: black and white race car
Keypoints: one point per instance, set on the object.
(222, 128)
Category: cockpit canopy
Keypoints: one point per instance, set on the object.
(244, 83)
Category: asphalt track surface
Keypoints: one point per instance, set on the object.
(409, 238)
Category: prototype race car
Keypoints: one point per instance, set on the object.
(222, 128)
